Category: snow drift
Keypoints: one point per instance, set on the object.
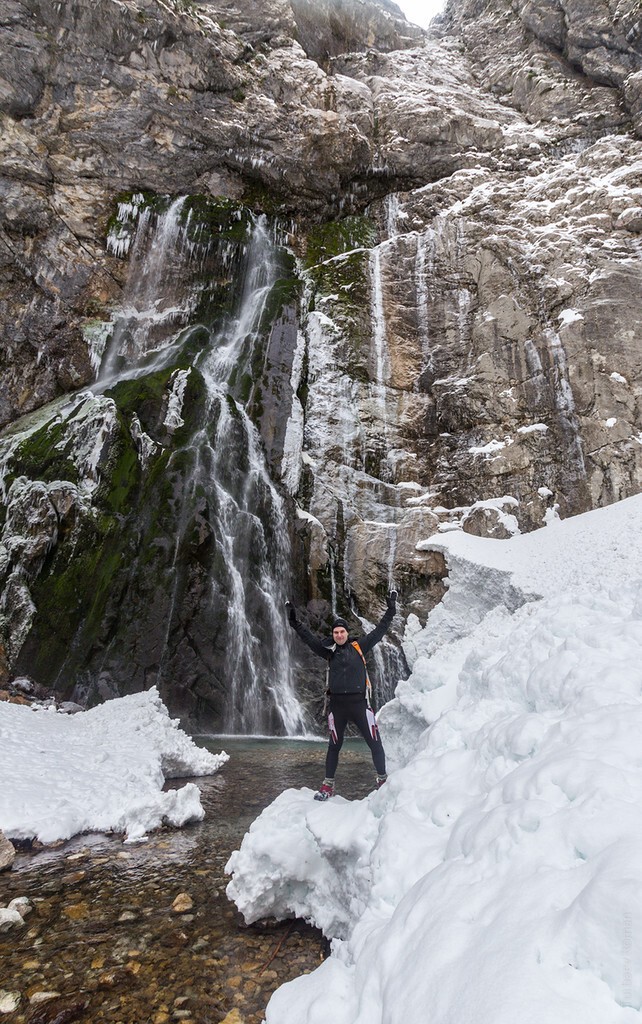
(102, 770)
(498, 874)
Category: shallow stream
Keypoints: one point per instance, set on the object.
(103, 942)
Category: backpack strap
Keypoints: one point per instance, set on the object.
(327, 683)
(355, 644)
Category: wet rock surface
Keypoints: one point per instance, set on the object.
(106, 940)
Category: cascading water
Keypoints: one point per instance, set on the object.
(256, 547)
(153, 304)
(226, 494)
(381, 354)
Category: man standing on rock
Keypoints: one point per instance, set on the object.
(348, 688)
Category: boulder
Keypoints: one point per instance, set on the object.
(7, 853)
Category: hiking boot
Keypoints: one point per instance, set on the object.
(326, 791)
(379, 781)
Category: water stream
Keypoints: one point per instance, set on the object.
(381, 355)
(225, 480)
(103, 940)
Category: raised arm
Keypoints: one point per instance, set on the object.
(367, 642)
(308, 638)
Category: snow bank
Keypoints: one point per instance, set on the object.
(498, 875)
(102, 770)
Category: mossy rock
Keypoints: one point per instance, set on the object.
(265, 198)
(208, 218)
(146, 397)
(120, 552)
(334, 238)
(139, 199)
(38, 456)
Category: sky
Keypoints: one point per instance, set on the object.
(420, 11)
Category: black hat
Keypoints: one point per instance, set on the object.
(340, 622)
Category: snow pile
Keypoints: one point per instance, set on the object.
(102, 770)
(498, 874)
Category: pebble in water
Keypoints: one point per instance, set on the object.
(9, 1001)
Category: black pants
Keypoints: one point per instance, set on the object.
(352, 707)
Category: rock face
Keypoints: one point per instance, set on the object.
(399, 293)
(7, 853)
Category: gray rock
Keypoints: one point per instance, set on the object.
(7, 853)
(24, 685)
(9, 1001)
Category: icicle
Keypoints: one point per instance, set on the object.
(150, 299)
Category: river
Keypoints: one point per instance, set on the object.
(103, 942)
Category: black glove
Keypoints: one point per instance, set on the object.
(291, 610)
(391, 600)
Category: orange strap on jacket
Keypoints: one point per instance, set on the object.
(368, 683)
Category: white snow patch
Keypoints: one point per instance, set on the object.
(291, 463)
(619, 378)
(88, 435)
(488, 449)
(146, 447)
(102, 770)
(308, 517)
(534, 428)
(498, 505)
(569, 316)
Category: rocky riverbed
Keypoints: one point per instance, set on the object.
(145, 933)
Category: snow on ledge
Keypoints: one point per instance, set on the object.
(101, 771)
(487, 449)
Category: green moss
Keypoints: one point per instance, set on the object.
(145, 200)
(39, 457)
(338, 261)
(146, 397)
(286, 292)
(87, 571)
(126, 541)
(265, 199)
(73, 590)
(120, 477)
(208, 218)
(336, 237)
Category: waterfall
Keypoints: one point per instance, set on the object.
(424, 271)
(565, 405)
(226, 491)
(381, 354)
(388, 668)
(244, 536)
(153, 304)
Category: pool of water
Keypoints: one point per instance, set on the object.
(103, 942)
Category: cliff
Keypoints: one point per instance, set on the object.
(440, 232)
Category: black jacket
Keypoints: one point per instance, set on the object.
(347, 673)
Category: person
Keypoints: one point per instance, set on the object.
(348, 689)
